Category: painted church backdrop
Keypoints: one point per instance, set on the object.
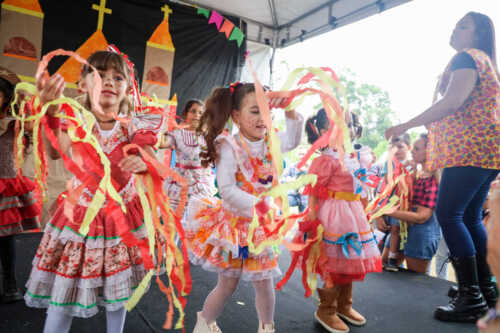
(176, 49)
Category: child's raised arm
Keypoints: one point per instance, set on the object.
(49, 89)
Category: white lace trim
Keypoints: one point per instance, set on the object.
(234, 273)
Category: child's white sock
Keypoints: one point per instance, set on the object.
(115, 320)
(57, 322)
(393, 255)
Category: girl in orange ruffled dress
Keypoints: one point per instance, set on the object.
(18, 211)
(348, 247)
(217, 231)
(73, 274)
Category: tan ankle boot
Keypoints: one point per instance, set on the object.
(266, 328)
(203, 327)
(345, 310)
(326, 314)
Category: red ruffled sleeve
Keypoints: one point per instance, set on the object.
(324, 167)
(146, 128)
(145, 138)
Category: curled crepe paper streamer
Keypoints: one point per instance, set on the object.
(85, 136)
(338, 135)
(176, 266)
(96, 90)
(336, 138)
(308, 253)
(279, 191)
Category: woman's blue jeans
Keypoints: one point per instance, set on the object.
(462, 193)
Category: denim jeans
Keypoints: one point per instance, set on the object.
(462, 193)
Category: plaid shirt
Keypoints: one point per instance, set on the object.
(425, 192)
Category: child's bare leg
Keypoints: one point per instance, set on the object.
(265, 300)
(214, 304)
(394, 244)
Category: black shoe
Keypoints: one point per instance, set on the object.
(486, 284)
(453, 292)
(469, 305)
(11, 292)
(391, 265)
(11, 296)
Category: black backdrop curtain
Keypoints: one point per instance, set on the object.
(204, 58)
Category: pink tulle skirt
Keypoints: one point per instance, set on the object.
(349, 248)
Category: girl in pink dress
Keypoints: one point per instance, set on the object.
(73, 274)
(348, 247)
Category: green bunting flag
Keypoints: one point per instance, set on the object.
(203, 11)
(237, 35)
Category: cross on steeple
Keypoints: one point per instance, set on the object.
(166, 11)
(101, 8)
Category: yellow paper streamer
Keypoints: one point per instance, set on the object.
(139, 291)
(279, 191)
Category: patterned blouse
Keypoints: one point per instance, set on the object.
(471, 135)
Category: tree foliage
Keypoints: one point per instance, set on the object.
(373, 106)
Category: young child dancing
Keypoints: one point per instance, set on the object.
(348, 247)
(188, 144)
(18, 211)
(217, 233)
(73, 274)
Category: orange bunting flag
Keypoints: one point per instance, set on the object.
(227, 28)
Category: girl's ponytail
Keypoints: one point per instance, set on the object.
(315, 124)
(218, 108)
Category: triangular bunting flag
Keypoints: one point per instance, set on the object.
(203, 11)
(216, 18)
(237, 35)
(227, 27)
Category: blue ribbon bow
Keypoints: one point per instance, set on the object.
(243, 252)
(349, 239)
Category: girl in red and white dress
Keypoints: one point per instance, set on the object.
(348, 247)
(217, 230)
(188, 145)
(18, 211)
(74, 274)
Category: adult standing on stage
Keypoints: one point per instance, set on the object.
(464, 139)
(188, 144)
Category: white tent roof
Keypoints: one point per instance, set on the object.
(281, 23)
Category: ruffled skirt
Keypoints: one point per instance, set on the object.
(349, 249)
(74, 274)
(18, 208)
(217, 241)
(201, 182)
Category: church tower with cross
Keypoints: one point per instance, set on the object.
(159, 60)
(21, 27)
(70, 70)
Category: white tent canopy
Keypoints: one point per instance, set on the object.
(280, 23)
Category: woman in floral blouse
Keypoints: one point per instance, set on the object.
(464, 136)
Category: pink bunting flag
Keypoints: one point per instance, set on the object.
(216, 18)
(227, 28)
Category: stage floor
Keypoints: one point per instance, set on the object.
(392, 302)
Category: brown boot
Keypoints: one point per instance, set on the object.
(326, 314)
(345, 310)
